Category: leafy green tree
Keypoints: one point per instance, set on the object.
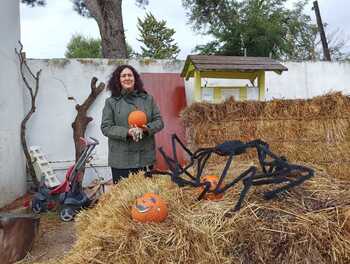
(157, 38)
(83, 47)
(259, 27)
(108, 15)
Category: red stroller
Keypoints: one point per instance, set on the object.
(69, 194)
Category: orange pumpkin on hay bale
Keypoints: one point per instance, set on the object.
(150, 207)
(210, 195)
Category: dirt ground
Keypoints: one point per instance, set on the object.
(55, 239)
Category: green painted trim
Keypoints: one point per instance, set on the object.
(243, 93)
(261, 85)
(278, 72)
(184, 71)
(197, 86)
(190, 71)
(217, 94)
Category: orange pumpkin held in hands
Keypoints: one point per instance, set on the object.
(213, 180)
(137, 118)
(149, 208)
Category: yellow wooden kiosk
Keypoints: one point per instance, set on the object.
(229, 67)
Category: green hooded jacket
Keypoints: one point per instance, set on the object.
(123, 152)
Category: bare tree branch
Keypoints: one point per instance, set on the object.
(82, 120)
(33, 94)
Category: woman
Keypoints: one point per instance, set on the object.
(130, 149)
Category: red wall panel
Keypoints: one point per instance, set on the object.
(168, 89)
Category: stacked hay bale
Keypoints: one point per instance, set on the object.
(308, 225)
(316, 131)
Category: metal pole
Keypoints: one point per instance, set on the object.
(327, 55)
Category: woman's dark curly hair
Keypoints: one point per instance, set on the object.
(114, 84)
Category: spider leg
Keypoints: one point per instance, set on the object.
(270, 180)
(202, 160)
(223, 175)
(251, 170)
(174, 139)
(292, 183)
(178, 168)
(247, 177)
(205, 190)
(207, 186)
(200, 156)
(174, 165)
(247, 183)
(263, 152)
(175, 171)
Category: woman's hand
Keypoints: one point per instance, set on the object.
(135, 133)
(145, 129)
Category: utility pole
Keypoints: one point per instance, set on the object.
(326, 53)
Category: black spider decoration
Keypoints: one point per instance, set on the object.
(274, 169)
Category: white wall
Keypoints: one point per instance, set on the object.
(12, 168)
(50, 127)
(308, 79)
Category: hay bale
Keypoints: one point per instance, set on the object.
(303, 226)
(347, 220)
(314, 130)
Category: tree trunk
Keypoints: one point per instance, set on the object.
(108, 15)
(82, 120)
(326, 53)
(29, 163)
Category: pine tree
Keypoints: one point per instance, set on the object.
(157, 38)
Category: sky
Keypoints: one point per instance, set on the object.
(45, 31)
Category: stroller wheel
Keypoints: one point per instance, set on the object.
(38, 206)
(67, 214)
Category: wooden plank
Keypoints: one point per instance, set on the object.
(231, 59)
(205, 67)
(203, 57)
(249, 62)
(236, 63)
(199, 65)
(239, 65)
(201, 61)
(17, 233)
